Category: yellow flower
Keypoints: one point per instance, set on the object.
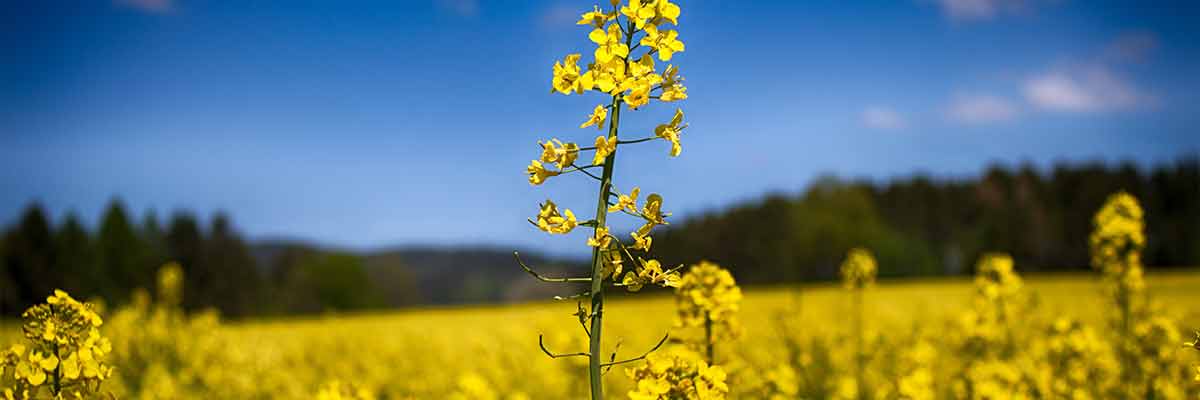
(28, 370)
(650, 272)
(677, 373)
(626, 202)
(597, 117)
(652, 211)
(601, 238)
(670, 132)
(639, 93)
(550, 221)
(595, 17)
(554, 151)
(666, 43)
(639, 11)
(668, 11)
(607, 76)
(672, 84)
(70, 367)
(641, 240)
(642, 69)
(603, 149)
(538, 173)
(567, 76)
(610, 44)
(612, 263)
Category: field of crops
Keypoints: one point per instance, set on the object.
(796, 342)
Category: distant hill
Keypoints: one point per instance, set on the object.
(444, 275)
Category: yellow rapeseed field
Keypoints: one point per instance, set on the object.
(489, 352)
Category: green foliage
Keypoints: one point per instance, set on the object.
(924, 226)
(338, 282)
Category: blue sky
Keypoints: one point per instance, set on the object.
(368, 124)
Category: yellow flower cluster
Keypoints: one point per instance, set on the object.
(1116, 244)
(995, 278)
(551, 221)
(649, 273)
(1078, 363)
(859, 269)
(998, 287)
(677, 374)
(66, 357)
(707, 294)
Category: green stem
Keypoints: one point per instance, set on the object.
(594, 356)
(595, 360)
(708, 337)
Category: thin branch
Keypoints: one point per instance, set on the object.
(641, 357)
(546, 279)
(637, 140)
(574, 296)
(584, 170)
(613, 357)
(542, 344)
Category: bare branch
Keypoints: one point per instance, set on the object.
(641, 357)
(542, 344)
(574, 296)
(546, 279)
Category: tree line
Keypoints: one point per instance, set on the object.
(221, 270)
(921, 226)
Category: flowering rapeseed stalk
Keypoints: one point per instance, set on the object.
(858, 273)
(708, 297)
(625, 79)
(1116, 245)
(66, 356)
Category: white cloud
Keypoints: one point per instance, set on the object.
(560, 15)
(980, 109)
(878, 117)
(975, 10)
(148, 6)
(464, 8)
(1092, 88)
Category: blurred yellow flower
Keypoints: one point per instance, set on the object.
(858, 270)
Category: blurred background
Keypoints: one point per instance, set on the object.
(334, 157)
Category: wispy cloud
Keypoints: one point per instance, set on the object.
(980, 109)
(880, 117)
(976, 10)
(1087, 88)
(560, 15)
(463, 8)
(148, 6)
